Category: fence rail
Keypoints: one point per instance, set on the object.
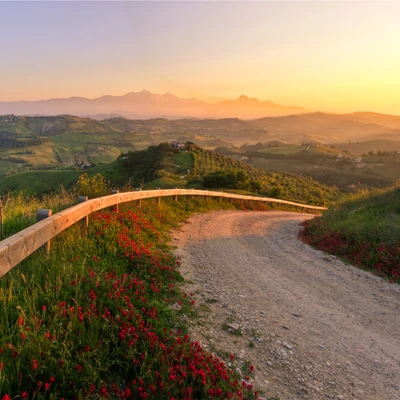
(16, 248)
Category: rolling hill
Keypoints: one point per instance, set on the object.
(65, 141)
(328, 128)
(166, 167)
(162, 166)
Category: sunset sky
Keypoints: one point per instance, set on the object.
(328, 56)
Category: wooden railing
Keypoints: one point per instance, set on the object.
(16, 248)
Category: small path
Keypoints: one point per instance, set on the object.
(313, 327)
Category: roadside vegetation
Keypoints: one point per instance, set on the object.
(104, 315)
(364, 230)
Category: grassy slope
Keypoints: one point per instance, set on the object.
(328, 170)
(63, 140)
(93, 316)
(364, 229)
(51, 180)
(373, 216)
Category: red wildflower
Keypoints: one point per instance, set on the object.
(35, 364)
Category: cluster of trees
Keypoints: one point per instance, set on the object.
(235, 179)
(145, 164)
(382, 153)
(206, 162)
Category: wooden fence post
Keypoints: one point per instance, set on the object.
(139, 202)
(81, 199)
(220, 200)
(1, 221)
(158, 199)
(114, 208)
(42, 214)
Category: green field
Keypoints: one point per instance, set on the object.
(288, 149)
(38, 181)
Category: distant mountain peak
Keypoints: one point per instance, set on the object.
(145, 104)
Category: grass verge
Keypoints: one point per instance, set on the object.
(103, 316)
(363, 230)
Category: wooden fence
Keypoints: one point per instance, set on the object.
(16, 248)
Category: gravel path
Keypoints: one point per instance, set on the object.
(313, 327)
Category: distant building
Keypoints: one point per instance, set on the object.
(178, 145)
(357, 160)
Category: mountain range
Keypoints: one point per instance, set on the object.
(145, 104)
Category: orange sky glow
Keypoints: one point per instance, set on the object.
(327, 56)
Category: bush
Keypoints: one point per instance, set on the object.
(92, 186)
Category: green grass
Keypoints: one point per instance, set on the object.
(93, 315)
(47, 181)
(372, 215)
(363, 230)
(20, 210)
(38, 181)
(184, 159)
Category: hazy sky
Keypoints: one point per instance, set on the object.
(334, 56)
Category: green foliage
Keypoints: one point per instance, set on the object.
(235, 179)
(145, 164)
(219, 171)
(92, 186)
(20, 209)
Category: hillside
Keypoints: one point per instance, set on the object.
(165, 166)
(288, 144)
(364, 229)
(194, 167)
(328, 164)
(328, 128)
(53, 142)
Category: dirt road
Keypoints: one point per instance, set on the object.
(313, 327)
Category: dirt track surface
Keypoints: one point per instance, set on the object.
(313, 327)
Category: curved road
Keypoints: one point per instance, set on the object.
(314, 327)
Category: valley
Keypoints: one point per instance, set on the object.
(321, 146)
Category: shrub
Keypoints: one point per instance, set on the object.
(92, 186)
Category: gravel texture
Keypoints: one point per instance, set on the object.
(312, 326)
